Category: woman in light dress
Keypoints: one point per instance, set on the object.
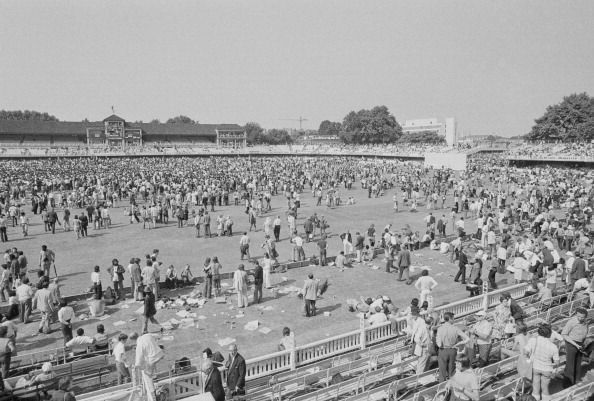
(240, 285)
(266, 264)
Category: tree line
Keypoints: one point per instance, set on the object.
(374, 126)
(26, 115)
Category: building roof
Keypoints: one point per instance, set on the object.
(34, 127)
(113, 117)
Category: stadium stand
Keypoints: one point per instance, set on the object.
(278, 376)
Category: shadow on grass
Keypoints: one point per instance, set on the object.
(328, 308)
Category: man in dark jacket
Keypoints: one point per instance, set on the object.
(52, 219)
(150, 310)
(258, 281)
(578, 270)
(403, 265)
(308, 227)
(462, 262)
(213, 383)
(84, 225)
(236, 371)
(516, 310)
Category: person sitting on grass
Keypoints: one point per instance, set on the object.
(171, 278)
(186, 276)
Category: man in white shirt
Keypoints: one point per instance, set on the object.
(149, 277)
(377, 317)
(148, 353)
(425, 284)
(298, 241)
(340, 260)
(24, 294)
(581, 284)
(119, 353)
(291, 223)
(65, 317)
(244, 246)
(80, 344)
(421, 338)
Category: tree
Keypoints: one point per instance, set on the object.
(422, 137)
(254, 133)
(181, 119)
(370, 126)
(26, 115)
(329, 128)
(155, 121)
(571, 119)
(277, 136)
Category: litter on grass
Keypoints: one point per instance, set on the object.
(223, 342)
(251, 326)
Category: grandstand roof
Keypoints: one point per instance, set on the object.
(33, 127)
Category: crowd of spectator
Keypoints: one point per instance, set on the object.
(552, 151)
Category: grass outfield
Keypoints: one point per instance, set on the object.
(76, 258)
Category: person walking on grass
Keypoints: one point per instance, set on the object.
(149, 310)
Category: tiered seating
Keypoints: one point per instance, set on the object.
(264, 382)
(554, 151)
(579, 392)
(426, 385)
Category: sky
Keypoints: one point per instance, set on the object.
(493, 65)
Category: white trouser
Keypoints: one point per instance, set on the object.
(149, 385)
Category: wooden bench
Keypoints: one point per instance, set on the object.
(30, 393)
(79, 370)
